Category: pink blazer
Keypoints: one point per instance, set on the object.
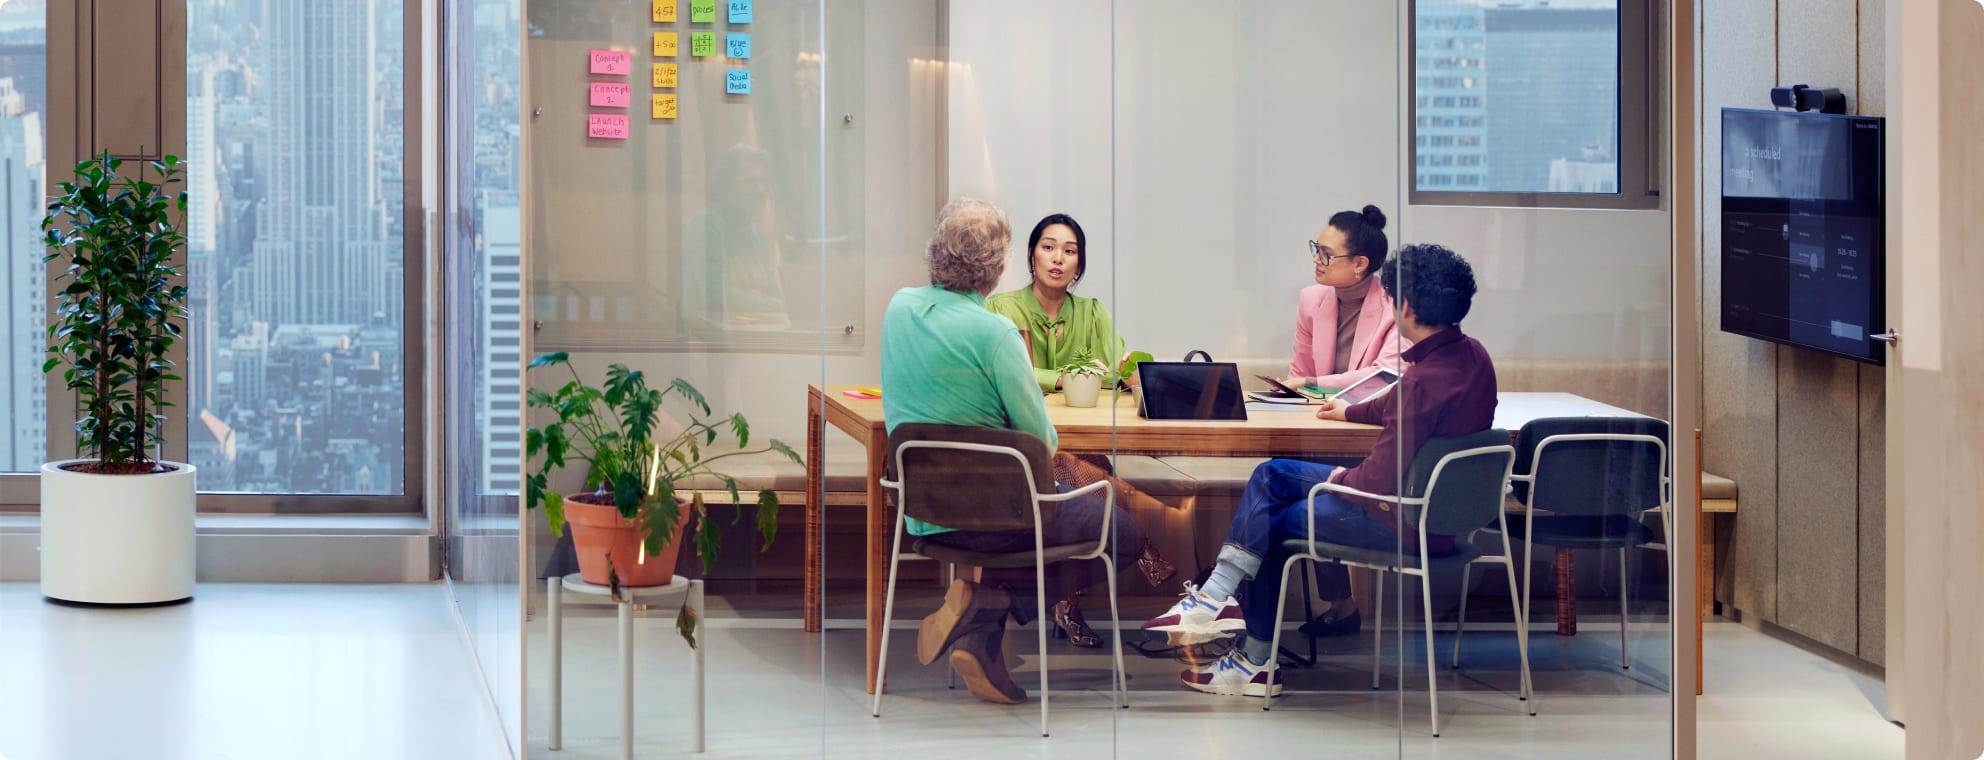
(1376, 343)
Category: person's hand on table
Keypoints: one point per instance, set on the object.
(1297, 381)
(1333, 410)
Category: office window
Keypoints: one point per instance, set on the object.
(296, 368)
(23, 294)
(1543, 103)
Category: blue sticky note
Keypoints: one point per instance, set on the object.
(737, 82)
(740, 11)
(737, 45)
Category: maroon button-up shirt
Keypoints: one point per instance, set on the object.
(1448, 389)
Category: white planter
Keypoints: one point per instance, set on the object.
(1081, 390)
(116, 539)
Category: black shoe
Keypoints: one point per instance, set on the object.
(1328, 624)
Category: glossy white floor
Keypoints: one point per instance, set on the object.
(244, 671)
(767, 699)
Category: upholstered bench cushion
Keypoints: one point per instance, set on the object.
(1152, 476)
(846, 472)
(1217, 476)
(1717, 487)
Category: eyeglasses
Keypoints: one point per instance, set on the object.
(1316, 252)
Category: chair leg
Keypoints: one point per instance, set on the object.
(1625, 659)
(1116, 625)
(1460, 625)
(1378, 629)
(888, 614)
(1432, 675)
(1042, 623)
(1274, 640)
(1308, 610)
(1525, 692)
(950, 673)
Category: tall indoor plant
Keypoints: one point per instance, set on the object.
(626, 522)
(117, 522)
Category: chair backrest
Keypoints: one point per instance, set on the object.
(1468, 493)
(1592, 477)
(969, 490)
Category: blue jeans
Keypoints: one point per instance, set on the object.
(1275, 508)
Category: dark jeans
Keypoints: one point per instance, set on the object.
(1275, 508)
(1071, 522)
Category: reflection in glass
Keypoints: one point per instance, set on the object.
(23, 312)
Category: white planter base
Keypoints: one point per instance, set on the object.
(1081, 391)
(117, 539)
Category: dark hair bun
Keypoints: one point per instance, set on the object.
(1374, 217)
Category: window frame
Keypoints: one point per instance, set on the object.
(1639, 152)
(66, 44)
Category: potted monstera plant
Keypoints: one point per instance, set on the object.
(117, 522)
(627, 522)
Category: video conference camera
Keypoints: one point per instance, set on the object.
(1805, 98)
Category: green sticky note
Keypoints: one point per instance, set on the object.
(1320, 390)
(702, 44)
(702, 11)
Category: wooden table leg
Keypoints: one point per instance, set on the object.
(1567, 594)
(878, 547)
(1704, 585)
(815, 503)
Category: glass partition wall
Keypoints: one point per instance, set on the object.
(1248, 181)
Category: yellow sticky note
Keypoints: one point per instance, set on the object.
(663, 105)
(702, 44)
(664, 75)
(664, 44)
(664, 11)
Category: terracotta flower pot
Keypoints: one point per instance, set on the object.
(600, 535)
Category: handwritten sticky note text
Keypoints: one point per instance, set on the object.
(664, 11)
(665, 44)
(737, 82)
(702, 11)
(702, 44)
(609, 94)
(737, 45)
(609, 62)
(606, 126)
(740, 11)
(665, 75)
(663, 106)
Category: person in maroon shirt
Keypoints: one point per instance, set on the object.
(1448, 389)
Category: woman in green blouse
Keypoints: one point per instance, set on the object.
(1058, 325)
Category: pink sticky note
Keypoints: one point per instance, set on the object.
(610, 94)
(612, 62)
(606, 126)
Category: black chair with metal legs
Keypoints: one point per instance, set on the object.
(1455, 486)
(987, 479)
(1595, 478)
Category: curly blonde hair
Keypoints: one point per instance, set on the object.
(968, 250)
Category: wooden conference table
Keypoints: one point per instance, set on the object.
(1104, 429)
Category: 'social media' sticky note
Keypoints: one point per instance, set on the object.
(737, 82)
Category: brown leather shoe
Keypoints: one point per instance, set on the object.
(967, 606)
(1068, 618)
(979, 659)
(1155, 567)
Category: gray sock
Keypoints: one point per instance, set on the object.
(1257, 650)
(1226, 579)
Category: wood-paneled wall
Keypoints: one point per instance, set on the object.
(1800, 432)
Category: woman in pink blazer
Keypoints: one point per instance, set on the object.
(1344, 325)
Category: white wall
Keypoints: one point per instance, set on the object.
(1237, 132)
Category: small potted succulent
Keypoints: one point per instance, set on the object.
(117, 522)
(627, 524)
(1081, 380)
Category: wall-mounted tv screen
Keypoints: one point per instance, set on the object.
(1802, 206)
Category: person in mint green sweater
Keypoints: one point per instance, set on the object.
(1058, 326)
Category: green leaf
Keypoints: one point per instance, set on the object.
(546, 360)
(741, 428)
(780, 447)
(554, 513)
(767, 517)
(689, 392)
(708, 541)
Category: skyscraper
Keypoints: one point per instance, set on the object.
(502, 337)
(23, 390)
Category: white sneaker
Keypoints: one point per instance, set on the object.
(1233, 675)
(1200, 617)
